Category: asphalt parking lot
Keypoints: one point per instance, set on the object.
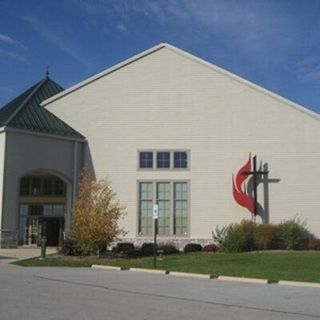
(84, 293)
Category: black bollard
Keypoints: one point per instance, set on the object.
(43, 247)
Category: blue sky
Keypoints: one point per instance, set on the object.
(275, 44)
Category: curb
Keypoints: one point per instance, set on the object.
(245, 280)
(299, 284)
(192, 275)
(98, 266)
(207, 276)
(148, 270)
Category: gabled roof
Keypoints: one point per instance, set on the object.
(191, 57)
(25, 112)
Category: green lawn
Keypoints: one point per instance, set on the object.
(298, 266)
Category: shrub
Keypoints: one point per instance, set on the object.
(210, 248)
(247, 236)
(291, 234)
(168, 249)
(146, 249)
(236, 237)
(124, 247)
(69, 248)
(266, 237)
(192, 247)
(313, 244)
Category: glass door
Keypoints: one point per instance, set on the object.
(33, 231)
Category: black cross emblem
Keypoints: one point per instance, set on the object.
(255, 174)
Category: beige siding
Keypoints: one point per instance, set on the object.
(168, 101)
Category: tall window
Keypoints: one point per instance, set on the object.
(181, 159)
(180, 208)
(145, 208)
(163, 200)
(163, 159)
(172, 199)
(146, 160)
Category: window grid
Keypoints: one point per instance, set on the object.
(163, 200)
(163, 160)
(158, 159)
(172, 199)
(180, 159)
(42, 186)
(180, 208)
(146, 208)
(146, 160)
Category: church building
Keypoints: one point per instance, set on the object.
(166, 128)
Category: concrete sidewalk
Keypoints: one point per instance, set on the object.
(11, 255)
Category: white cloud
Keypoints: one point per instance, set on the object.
(248, 24)
(10, 41)
(12, 55)
(122, 28)
(61, 41)
(308, 70)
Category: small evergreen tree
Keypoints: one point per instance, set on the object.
(96, 214)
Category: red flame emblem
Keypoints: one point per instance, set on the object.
(240, 194)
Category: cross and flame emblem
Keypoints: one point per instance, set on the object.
(240, 192)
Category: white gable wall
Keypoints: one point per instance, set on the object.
(168, 101)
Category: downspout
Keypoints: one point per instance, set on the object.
(75, 172)
(3, 178)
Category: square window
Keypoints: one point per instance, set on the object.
(180, 159)
(145, 160)
(163, 159)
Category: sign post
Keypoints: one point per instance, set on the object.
(155, 231)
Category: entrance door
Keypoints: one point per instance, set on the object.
(51, 228)
(33, 231)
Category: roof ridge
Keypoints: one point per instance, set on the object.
(194, 58)
(24, 102)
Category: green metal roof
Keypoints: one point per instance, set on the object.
(25, 112)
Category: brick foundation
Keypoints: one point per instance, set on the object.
(179, 243)
(8, 238)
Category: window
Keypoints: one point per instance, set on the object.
(36, 186)
(180, 159)
(59, 189)
(172, 199)
(35, 210)
(25, 186)
(163, 159)
(180, 208)
(146, 160)
(47, 186)
(159, 159)
(163, 200)
(54, 210)
(146, 208)
(42, 186)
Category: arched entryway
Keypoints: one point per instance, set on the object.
(42, 208)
